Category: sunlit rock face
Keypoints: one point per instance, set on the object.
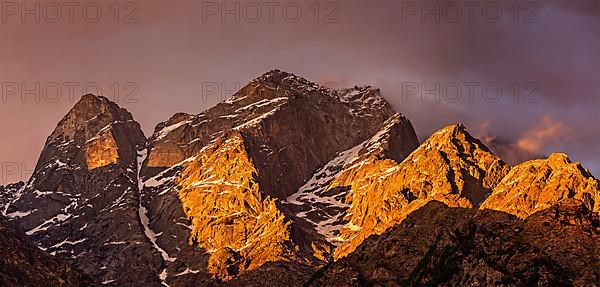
(451, 167)
(101, 151)
(232, 219)
(538, 184)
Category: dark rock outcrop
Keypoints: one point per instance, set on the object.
(23, 264)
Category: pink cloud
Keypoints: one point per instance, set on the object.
(546, 133)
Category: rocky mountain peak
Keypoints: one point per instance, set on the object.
(278, 77)
(468, 166)
(95, 131)
(454, 137)
(359, 99)
(82, 196)
(275, 75)
(538, 184)
(556, 160)
(274, 111)
(450, 166)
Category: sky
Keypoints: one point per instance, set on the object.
(523, 72)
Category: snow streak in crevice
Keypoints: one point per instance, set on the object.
(143, 216)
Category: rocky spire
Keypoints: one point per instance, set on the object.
(94, 133)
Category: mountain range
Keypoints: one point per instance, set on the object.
(288, 183)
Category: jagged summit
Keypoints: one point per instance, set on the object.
(360, 99)
(468, 166)
(453, 136)
(273, 100)
(89, 108)
(288, 80)
(558, 159)
(276, 76)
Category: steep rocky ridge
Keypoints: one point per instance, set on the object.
(232, 218)
(538, 184)
(451, 166)
(323, 200)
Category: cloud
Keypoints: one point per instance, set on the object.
(546, 136)
(508, 150)
(546, 133)
(504, 147)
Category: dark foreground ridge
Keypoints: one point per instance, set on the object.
(23, 264)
